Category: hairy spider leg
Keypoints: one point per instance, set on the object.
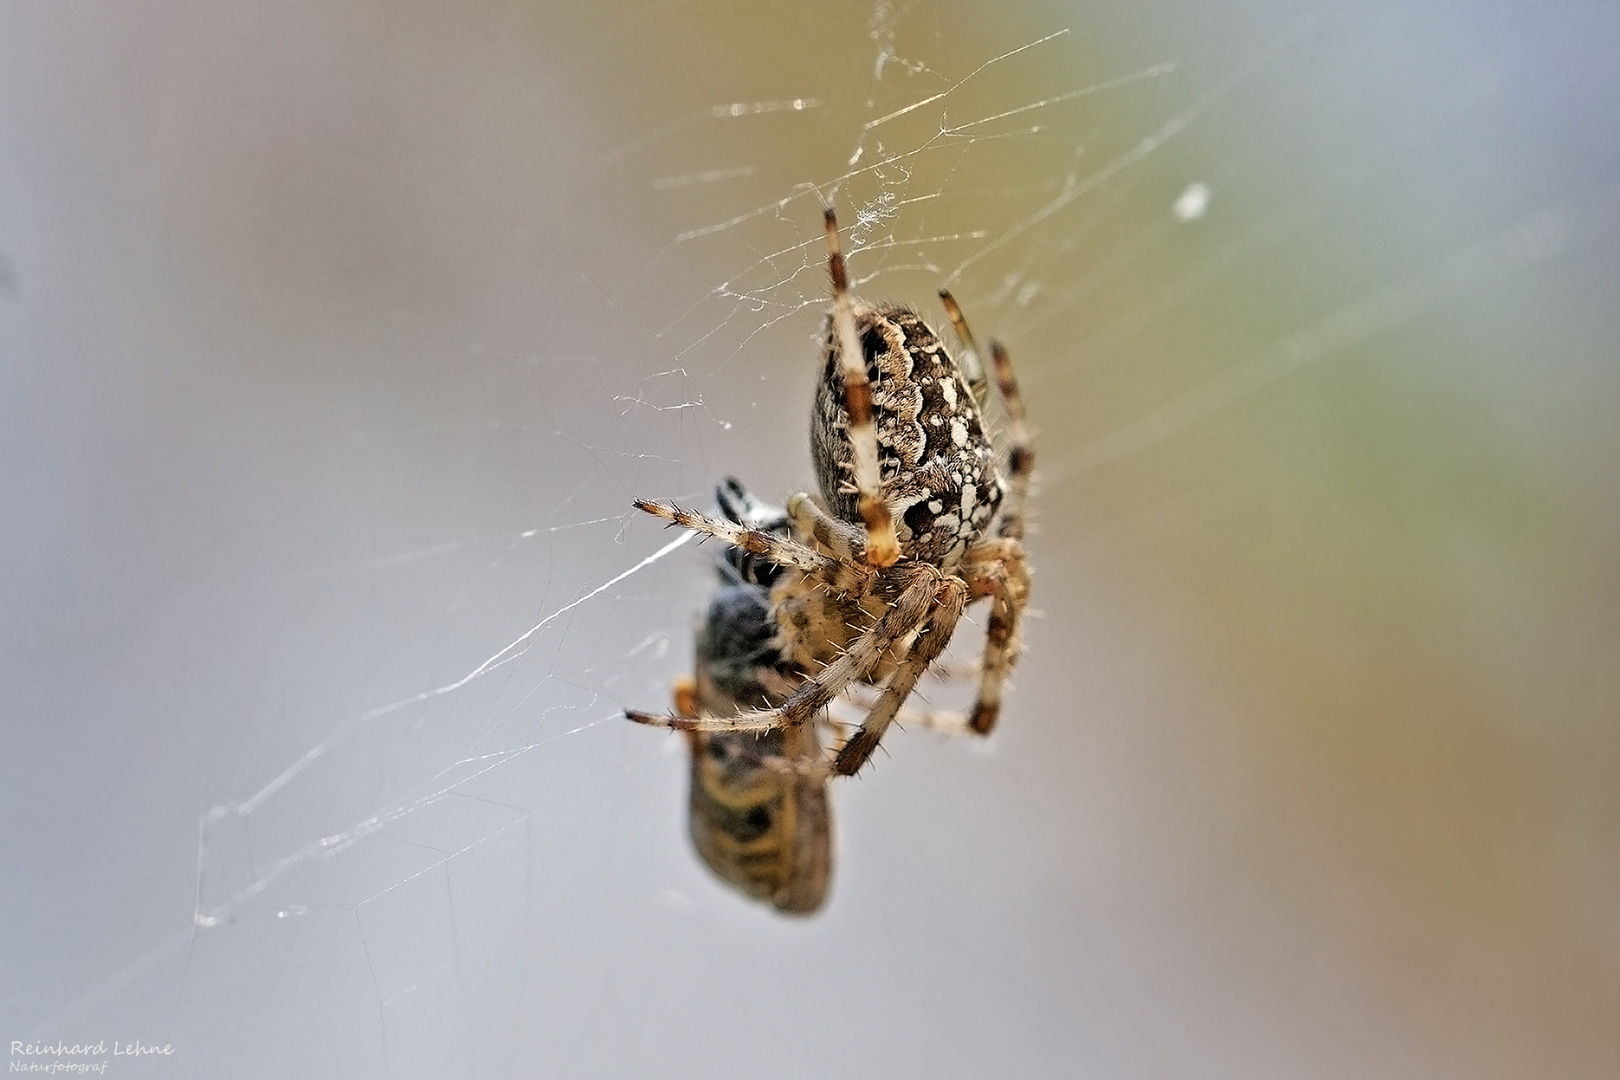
(847, 542)
(997, 568)
(840, 576)
(883, 545)
(968, 360)
(1020, 450)
(946, 609)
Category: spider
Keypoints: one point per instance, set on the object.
(915, 522)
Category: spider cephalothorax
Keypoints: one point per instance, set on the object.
(916, 523)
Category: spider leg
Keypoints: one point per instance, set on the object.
(944, 611)
(883, 546)
(841, 577)
(847, 542)
(1020, 452)
(1001, 573)
(945, 721)
(951, 671)
(972, 367)
(907, 613)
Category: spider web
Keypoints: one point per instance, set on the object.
(422, 306)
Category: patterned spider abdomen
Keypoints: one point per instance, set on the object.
(935, 462)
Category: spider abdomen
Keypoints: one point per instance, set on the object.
(935, 461)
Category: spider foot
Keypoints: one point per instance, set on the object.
(663, 720)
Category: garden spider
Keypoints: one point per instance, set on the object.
(915, 523)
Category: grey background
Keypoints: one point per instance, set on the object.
(335, 340)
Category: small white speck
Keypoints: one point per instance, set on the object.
(1193, 203)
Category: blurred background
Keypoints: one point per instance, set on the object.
(335, 340)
